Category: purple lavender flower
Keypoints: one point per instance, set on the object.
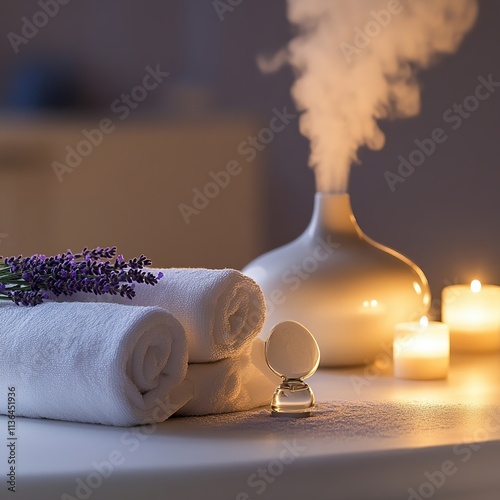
(24, 280)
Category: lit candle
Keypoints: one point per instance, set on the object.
(421, 350)
(473, 315)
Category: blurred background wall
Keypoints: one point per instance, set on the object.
(137, 188)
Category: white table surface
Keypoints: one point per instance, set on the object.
(186, 458)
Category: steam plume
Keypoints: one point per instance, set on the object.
(356, 62)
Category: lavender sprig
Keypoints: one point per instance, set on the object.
(25, 280)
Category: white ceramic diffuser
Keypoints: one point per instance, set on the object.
(346, 289)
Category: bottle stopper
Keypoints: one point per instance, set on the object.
(293, 354)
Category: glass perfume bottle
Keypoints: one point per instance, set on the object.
(293, 354)
(346, 289)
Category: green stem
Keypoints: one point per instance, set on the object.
(18, 287)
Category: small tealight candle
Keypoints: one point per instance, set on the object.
(421, 350)
(473, 315)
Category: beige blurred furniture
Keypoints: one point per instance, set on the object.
(127, 192)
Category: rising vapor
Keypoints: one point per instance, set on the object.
(356, 63)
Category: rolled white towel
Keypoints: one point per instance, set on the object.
(234, 384)
(98, 363)
(221, 310)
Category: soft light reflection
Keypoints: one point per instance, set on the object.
(476, 386)
(371, 308)
(373, 304)
(424, 321)
(417, 288)
(475, 286)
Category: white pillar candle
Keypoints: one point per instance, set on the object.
(473, 315)
(421, 350)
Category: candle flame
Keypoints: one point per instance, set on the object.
(475, 286)
(424, 321)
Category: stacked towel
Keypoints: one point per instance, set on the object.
(221, 311)
(100, 363)
(234, 384)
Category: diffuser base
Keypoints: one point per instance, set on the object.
(346, 289)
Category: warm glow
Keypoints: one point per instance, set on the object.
(421, 350)
(417, 288)
(427, 346)
(473, 315)
(475, 286)
(374, 303)
(424, 322)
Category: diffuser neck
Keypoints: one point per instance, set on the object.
(333, 214)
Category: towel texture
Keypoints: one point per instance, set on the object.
(234, 384)
(221, 310)
(99, 363)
